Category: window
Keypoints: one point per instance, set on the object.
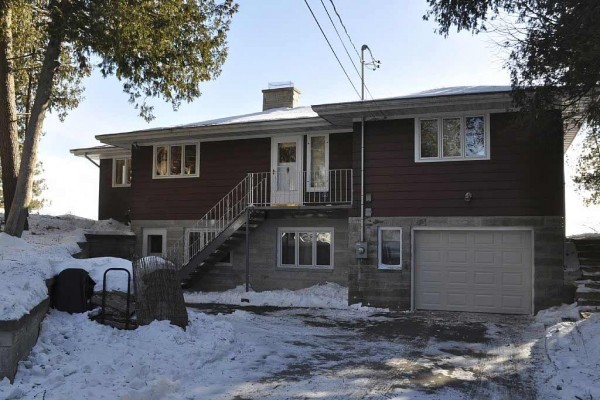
(452, 138)
(154, 242)
(317, 179)
(305, 247)
(121, 176)
(389, 248)
(197, 239)
(176, 161)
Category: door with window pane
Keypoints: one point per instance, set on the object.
(286, 163)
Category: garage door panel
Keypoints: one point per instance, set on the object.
(457, 277)
(484, 278)
(457, 256)
(484, 257)
(431, 256)
(484, 238)
(485, 271)
(457, 238)
(484, 300)
(456, 299)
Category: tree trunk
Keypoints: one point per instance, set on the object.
(9, 138)
(15, 222)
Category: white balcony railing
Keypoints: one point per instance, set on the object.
(291, 188)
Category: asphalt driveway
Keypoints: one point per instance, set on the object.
(341, 354)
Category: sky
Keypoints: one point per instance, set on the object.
(275, 41)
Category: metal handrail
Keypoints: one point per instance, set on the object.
(215, 221)
(261, 189)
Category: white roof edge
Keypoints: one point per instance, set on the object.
(99, 152)
(215, 129)
(395, 102)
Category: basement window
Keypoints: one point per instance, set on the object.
(121, 176)
(154, 242)
(305, 247)
(197, 239)
(389, 248)
(452, 138)
(176, 161)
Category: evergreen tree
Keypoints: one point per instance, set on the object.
(158, 49)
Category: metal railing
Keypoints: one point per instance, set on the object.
(215, 221)
(285, 188)
(263, 189)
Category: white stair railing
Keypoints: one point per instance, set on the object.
(207, 228)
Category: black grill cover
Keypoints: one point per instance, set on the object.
(72, 291)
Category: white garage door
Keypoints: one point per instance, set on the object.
(473, 270)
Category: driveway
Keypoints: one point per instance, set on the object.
(348, 354)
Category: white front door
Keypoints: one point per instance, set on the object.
(286, 168)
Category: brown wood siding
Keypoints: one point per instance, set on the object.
(523, 177)
(340, 151)
(113, 202)
(222, 166)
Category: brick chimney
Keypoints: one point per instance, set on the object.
(279, 95)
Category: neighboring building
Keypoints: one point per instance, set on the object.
(463, 199)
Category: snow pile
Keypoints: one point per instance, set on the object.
(43, 252)
(570, 355)
(79, 358)
(116, 280)
(22, 277)
(328, 295)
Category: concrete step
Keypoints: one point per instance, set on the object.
(584, 293)
(589, 284)
(589, 261)
(588, 303)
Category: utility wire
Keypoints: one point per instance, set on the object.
(344, 26)
(339, 37)
(344, 45)
(331, 47)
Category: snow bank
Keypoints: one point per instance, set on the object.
(79, 358)
(45, 250)
(328, 295)
(116, 280)
(569, 356)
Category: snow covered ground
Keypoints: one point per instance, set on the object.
(324, 351)
(43, 252)
(328, 295)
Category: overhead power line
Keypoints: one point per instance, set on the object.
(331, 47)
(341, 41)
(344, 26)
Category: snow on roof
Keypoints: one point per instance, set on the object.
(455, 90)
(268, 115)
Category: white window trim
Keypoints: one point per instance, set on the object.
(310, 188)
(114, 172)
(182, 144)
(203, 230)
(154, 231)
(381, 265)
(439, 118)
(297, 230)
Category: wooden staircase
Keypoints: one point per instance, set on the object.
(218, 248)
(588, 287)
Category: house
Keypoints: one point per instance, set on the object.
(442, 200)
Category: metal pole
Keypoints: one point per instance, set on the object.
(362, 145)
(247, 249)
